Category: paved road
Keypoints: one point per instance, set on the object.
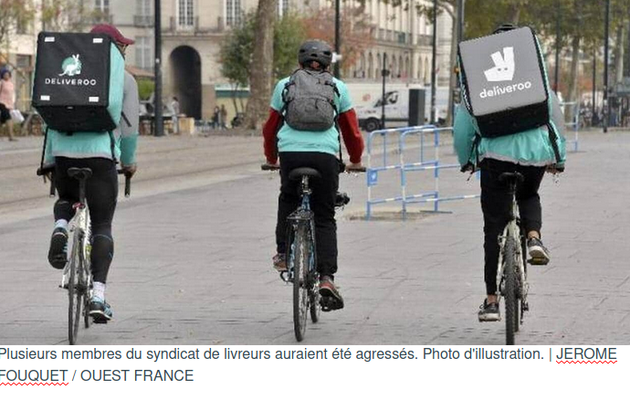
(194, 243)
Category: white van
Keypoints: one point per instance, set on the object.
(368, 104)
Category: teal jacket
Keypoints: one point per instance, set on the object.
(532, 147)
(99, 145)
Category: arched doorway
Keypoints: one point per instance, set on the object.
(186, 77)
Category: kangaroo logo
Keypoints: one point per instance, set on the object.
(71, 66)
(503, 69)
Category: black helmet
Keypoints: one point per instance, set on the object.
(505, 27)
(315, 50)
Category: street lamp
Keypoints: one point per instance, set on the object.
(159, 122)
(434, 63)
(337, 38)
(555, 80)
(384, 73)
(606, 106)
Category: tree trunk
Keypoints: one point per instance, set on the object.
(234, 94)
(619, 49)
(452, 81)
(514, 13)
(573, 76)
(261, 71)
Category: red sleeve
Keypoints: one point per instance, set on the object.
(270, 133)
(351, 135)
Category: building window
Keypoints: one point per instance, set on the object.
(233, 12)
(143, 17)
(283, 7)
(185, 13)
(144, 52)
(102, 6)
(143, 8)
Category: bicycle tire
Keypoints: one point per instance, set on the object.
(314, 297)
(520, 288)
(300, 259)
(85, 287)
(511, 290)
(74, 292)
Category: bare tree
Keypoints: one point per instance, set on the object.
(14, 15)
(356, 31)
(65, 15)
(261, 69)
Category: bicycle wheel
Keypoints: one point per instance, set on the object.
(300, 249)
(511, 290)
(313, 293)
(75, 298)
(86, 286)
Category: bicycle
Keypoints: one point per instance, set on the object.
(301, 253)
(77, 273)
(512, 271)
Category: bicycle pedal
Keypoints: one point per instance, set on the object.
(329, 303)
(286, 278)
(538, 261)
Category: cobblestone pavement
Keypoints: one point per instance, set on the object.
(194, 246)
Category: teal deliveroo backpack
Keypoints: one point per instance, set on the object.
(79, 83)
(505, 86)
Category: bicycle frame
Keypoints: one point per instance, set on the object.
(302, 215)
(513, 230)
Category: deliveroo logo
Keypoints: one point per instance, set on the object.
(71, 66)
(503, 69)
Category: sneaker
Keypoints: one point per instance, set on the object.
(489, 312)
(538, 252)
(100, 311)
(58, 253)
(330, 297)
(280, 262)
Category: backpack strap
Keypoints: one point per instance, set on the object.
(475, 148)
(124, 116)
(553, 138)
(113, 146)
(41, 163)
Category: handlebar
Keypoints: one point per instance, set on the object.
(356, 169)
(270, 167)
(127, 183)
(44, 172)
(51, 170)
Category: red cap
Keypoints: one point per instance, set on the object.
(112, 32)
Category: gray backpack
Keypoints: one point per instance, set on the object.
(309, 100)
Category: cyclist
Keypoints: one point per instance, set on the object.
(529, 152)
(94, 151)
(315, 149)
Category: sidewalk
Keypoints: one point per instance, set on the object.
(193, 266)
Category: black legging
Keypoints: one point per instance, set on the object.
(322, 204)
(496, 202)
(101, 194)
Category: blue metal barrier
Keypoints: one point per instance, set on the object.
(405, 167)
(574, 124)
(372, 171)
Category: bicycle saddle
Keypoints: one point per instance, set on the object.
(80, 173)
(508, 177)
(298, 173)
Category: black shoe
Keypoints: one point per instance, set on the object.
(100, 311)
(330, 298)
(489, 312)
(280, 262)
(538, 252)
(58, 253)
